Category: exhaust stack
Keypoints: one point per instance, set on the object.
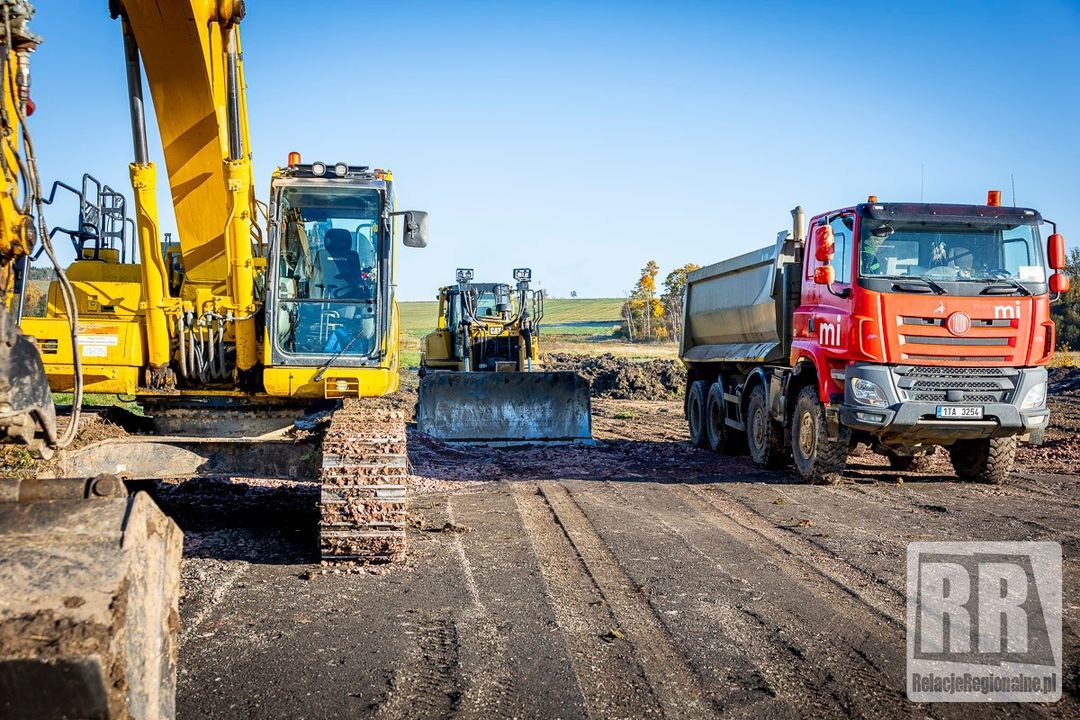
(798, 225)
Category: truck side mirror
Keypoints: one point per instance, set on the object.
(824, 243)
(1055, 251)
(1060, 283)
(416, 228)
(824, 275)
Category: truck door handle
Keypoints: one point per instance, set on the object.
(810, 324)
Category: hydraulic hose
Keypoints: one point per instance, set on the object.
(67, 291)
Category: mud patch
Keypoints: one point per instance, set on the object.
(622, 379)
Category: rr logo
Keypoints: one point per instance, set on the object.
(829, 333)
(984, 621)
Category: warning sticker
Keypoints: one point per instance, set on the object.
(99, 340)
(94, 351)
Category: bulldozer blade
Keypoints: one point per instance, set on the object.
(505, 408)
(89, 594)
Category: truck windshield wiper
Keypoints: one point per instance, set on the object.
(1000, 282)
(906, 283)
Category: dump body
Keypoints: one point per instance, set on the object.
(735, 309)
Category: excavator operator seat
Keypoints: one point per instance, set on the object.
(339, 266)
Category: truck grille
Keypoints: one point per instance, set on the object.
(927, 339)
(956, 384)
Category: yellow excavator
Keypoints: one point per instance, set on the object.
(258, 311)
(259, 314)
(480, 375)
(89, 576)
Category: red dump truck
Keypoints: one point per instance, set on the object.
(900, 325)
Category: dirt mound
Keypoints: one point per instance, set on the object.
(1064, 381)
(623, 379)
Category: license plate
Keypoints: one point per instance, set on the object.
(966, 412)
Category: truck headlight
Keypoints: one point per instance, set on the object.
(868, 393)
(1035, 398)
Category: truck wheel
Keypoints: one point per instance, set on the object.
(722, 439)
(986, 461)
(819, 460)
(764, 436)
(695, 413)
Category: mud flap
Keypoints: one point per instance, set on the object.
(508, 408)
(89, 593)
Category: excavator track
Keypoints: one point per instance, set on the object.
(363, 474)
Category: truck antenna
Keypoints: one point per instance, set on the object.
(1012, 179)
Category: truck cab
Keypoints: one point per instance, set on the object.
(908, 326)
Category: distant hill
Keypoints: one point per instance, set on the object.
(565, 315)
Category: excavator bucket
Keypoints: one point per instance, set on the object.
(89, 593)
(505, 408)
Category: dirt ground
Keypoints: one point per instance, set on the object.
(636, 578)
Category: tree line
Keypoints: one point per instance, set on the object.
(652, 316)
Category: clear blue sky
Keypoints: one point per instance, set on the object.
(583, 139)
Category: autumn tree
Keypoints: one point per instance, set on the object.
(672, 297)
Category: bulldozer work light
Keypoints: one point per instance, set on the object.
(522, 274)
(318, 169)
(341, 169)
(464, 275)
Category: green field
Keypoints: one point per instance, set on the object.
(573, 316)
(576, 325)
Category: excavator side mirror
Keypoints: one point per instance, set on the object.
(1055, 251)
(824, 243)
(416, 228)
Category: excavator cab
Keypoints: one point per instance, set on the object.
(330, 312)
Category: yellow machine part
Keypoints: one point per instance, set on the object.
(183, 58)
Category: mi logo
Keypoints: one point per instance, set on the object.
(1007, 312)
(829, 333)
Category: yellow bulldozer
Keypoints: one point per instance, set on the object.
(480, 373)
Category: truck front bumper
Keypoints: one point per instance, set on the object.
(912, 395)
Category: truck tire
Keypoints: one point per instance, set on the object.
(764, 436)
(985, 461)
(722, 438)
(696, 396)
(819, 461)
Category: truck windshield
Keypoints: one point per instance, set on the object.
(328, 269)
(893, 249)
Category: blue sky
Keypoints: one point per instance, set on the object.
(584, 139)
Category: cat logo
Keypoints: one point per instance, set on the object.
(829, 333)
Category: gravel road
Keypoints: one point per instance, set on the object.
(639, 578)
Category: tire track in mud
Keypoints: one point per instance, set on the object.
(835, 577)
(487, 684)
(784, 614)
(675, 689)
(427, 686)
